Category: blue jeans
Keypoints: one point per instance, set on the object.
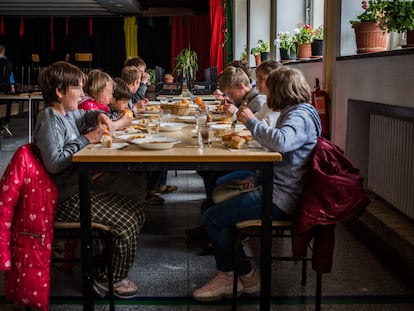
(219, 222)
(233, 175)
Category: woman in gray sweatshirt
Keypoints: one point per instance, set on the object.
(295, 136)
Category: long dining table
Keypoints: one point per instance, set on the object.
(186, 155)
(32, 99)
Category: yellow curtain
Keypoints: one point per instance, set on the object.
(131, 36)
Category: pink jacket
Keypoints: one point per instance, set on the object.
(28, 199)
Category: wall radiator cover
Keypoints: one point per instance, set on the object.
(391, 162)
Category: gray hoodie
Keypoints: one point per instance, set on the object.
(295, 136)
(57, 138)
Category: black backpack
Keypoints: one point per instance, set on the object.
(6, 69)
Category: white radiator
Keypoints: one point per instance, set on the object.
(391, 162)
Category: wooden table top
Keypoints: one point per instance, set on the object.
(185, 151)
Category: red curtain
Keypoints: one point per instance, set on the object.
(218, 32)
(193, 30)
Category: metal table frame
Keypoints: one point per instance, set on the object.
(86, 245)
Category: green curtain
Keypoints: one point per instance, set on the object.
(131, 36)
(229, 41)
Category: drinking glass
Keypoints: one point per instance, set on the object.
(201, 118)
(204, 136)
(166, 115)
(153, 124)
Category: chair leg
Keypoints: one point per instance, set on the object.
(236, 271)
(318, 294)
(111, 297)
(304, 269)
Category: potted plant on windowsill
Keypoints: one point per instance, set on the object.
(264, 48)
(317, 42)
(287, 46)
(400, 18)
(255, 51)
(243, 55)
(303, 36)
(371, 27)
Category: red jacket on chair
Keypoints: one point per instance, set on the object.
(28, 199)
(332, 193)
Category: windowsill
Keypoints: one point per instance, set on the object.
(302, 61)
(396, 52)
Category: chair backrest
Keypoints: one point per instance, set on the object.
(6, 68)
(35, 58)
(159, 74)
(84, 61)
(83, 57)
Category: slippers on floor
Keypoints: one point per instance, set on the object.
(166, 189)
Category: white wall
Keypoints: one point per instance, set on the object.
(387, 80)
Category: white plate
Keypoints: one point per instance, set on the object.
(156, 142)
(238, 128)
(114, 146)
(171, 126)
(128, 136)
(186, 119)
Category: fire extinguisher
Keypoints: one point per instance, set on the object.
(320, 101)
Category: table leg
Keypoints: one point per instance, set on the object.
(86, 241)
(266, 243)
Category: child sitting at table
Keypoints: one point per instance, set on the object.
(118, 107)
(116, 197)
(295, 136)
(132, 76)
(99, 89)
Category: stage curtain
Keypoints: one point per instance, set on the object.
(193, 31)
(131, 39)
(218, 26)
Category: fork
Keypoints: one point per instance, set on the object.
(233, 123)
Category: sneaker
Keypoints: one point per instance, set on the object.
(154, 199)
(251, 285)
(218, 287)
(124, 289)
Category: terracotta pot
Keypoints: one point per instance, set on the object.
(317, 48)
(304, 51)
(370, 37)
(169, 79)
(258, 59)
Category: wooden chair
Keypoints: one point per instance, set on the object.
(36, 70)
(280, 229)
(71, 230)
(84, 61)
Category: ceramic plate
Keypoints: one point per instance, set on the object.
(186, 119)
(156, 143)
(114, 146)
(171, 126)
(238, 128)
(132, 136)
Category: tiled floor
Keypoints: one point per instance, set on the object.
(168, 269)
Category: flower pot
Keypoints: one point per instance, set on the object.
(258, 59)
(370, 37)
(317, 48)
(265, 56)
(410, 38)
(286, 55)
(304, 51)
